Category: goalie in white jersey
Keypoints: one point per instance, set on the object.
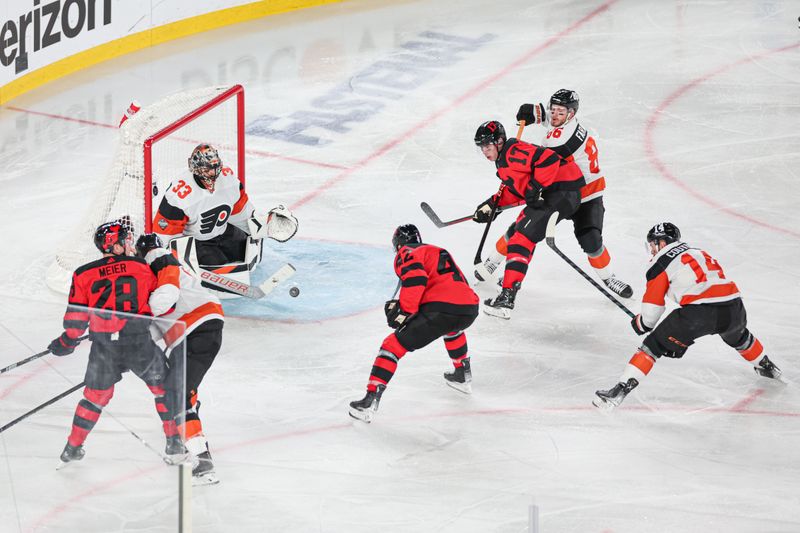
(710, 304)
(570, 140)
(212, 206)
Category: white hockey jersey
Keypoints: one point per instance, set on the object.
(575, 143)
(189, 209)
(688, 276)
(180, 296)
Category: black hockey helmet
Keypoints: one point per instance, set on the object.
(147, 242)
(490, 132)
(109, 234)
(665, 231)
(405, 234)
(566, 98)
(205, 162)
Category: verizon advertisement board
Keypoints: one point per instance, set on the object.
(36, 33)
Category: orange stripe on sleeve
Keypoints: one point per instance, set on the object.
(656, 290)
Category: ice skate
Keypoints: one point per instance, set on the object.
(460, 378)
(502, 305)
(768, 369)
(365, 408)
(174, 450)
(70, 454)
(609, 399)
(618, 287)
(203, 470)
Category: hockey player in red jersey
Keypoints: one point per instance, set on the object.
(179, 295)
(435, 301)
(530, 175)
(117, 282)
(212, 206)
(570, 140)
(710, 304)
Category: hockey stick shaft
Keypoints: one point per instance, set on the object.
(551, 242)
(520, 129)
(478, 253)
(42, 406)
(31, 358)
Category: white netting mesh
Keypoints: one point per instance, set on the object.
(123, 189)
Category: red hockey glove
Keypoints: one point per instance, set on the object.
(639, 326)
(63, 345)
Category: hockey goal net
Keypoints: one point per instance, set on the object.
(153, 150)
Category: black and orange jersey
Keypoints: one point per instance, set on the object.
(431, 279)
(524, 168)
(114, 283)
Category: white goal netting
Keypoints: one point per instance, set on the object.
(152, 151)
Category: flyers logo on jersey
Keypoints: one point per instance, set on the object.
(217, 216)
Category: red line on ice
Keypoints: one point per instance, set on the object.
(652, 122)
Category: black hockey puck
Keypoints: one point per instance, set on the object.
(294, 292)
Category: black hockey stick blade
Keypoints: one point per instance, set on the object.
(550, 238)
(428, 210)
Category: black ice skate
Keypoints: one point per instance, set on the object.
(460, 378)
(365, 408)
(71, 453)
(174, 450)
(502, 305)
(767, 369)
(617, 286)
(203, 470)
(609, 399)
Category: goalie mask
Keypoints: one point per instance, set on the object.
(205, 163)
(111, 233)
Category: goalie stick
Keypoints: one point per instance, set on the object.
(550, 237)
(243, 289)
(32, 358)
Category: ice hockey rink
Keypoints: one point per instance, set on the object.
(357, 112)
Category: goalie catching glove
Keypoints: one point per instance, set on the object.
(279, 224)
(395, 316)
(63, 345)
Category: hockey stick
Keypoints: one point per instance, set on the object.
(428, 210)
(31, 358)
(550, 237)
(244, 289)
(486, 231)
(42, 406)
(519, 130)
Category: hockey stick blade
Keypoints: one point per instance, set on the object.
(550, 238)
(428, 210)
(282, 274)
(231, 285)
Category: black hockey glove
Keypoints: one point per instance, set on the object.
(63, 345)
(395, 316)
(533, 197)
(531, 113)
(483, 213)
(639, 326)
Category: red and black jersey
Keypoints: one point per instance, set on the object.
(114, 283)
(527, 168)
(431, 279)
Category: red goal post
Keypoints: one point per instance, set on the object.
(153, 149)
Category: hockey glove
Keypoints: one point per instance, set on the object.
(531, 113)
(533, 197)
(639, 326)
(395, 316)
(63, 345)
(483, 213)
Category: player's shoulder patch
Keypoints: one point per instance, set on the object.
(665, 259)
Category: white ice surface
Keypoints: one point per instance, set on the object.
(696, 106)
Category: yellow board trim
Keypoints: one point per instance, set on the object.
(151, 37)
